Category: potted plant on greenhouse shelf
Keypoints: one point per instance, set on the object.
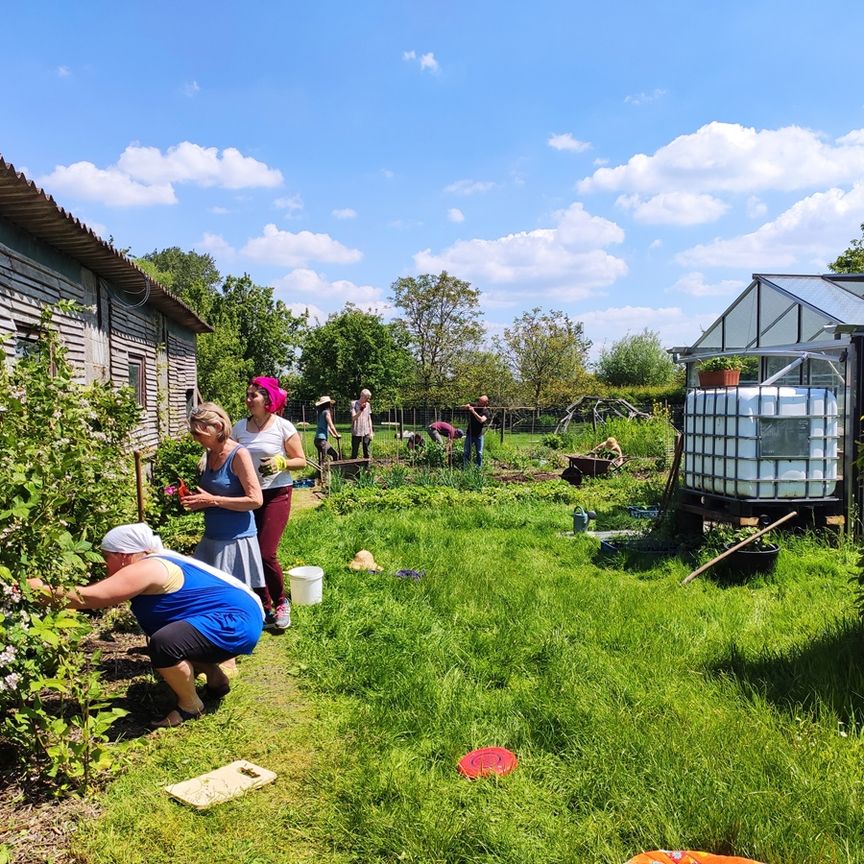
(721, 371)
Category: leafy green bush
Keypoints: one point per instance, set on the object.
(636, 359)
(174, 460)
(717, 364)
(182, 533)
(66, 477)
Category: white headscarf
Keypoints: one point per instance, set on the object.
(132, 538)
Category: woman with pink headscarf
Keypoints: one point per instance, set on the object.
(276, 449)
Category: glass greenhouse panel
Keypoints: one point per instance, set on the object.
(740, 329)
(712, 338)
(772, 307)
(784, 331)
(812, 324)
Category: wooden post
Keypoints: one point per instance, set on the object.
(738, 546)
(503, 422)
(400, 419)
(139, 485)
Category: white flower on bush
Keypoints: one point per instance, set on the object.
(10, 682)
(7, 655)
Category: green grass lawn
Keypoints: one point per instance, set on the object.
(643, 714)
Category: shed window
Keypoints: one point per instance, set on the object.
(26, 340)
(137, 379)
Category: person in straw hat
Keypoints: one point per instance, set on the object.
(325, 428)
(195, 615)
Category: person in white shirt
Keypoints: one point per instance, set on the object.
(276, 449)
(361, 424)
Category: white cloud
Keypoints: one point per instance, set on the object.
(426, 62)
(219, 211)
(756, 207)
(192, 163)
(566, 262)
(191, 88)
(291, 203)
(63, 71)
(470, 187)
(814, 229)
(108, 186)
(344, 213)
(674, 208)
(293, 250)
(216, 245)
(566, 141)
(144, 176)
(728, 157)
(317, 316)
(694, 285)
(642, 98)
(674, 325)
(454, 214)
(600, 161)
(387, 174)
(655, 244)
(305, 281)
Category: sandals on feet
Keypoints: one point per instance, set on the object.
(168, 721)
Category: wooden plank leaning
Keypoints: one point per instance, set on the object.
(738, 546)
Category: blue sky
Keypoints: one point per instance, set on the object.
(631, 163)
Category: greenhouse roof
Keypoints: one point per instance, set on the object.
(778, 309)
(837, 295)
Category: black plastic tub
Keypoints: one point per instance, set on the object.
(748, 562)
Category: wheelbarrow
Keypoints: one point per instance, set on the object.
(580, 467)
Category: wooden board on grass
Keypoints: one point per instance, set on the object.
(221, 785)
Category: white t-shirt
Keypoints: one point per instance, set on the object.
(261, 445)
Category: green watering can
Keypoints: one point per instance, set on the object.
(581, 518)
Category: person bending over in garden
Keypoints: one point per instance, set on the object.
(361, 424)
(228, 492)
(275, 448)
(439, 428)
(195, 615)
(325, 428)
(478, 421)
(608, 449)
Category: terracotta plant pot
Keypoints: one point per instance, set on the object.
(719, 378)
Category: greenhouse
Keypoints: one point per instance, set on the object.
(782, 431)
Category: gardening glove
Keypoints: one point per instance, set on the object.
(273, 465)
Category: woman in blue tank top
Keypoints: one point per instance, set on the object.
(195, 615)
(228, 492)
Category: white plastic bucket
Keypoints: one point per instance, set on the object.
(307, 585)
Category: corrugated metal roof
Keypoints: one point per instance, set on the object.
(822, 293)
(26, 205)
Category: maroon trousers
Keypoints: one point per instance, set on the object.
(271, 518)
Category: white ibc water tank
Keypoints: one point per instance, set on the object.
(761, 442)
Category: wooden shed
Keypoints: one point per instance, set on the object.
(132, 330)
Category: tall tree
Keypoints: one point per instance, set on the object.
(192, 276)
(441, 315)
(547, 352)
(352, 350)
(253, 332)
(637, 359)
(481, 372)
(852, 259)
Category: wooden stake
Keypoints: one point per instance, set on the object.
(139, 485)
(672, 479)
(738, 546)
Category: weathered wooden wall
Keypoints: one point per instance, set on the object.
(100, 340)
